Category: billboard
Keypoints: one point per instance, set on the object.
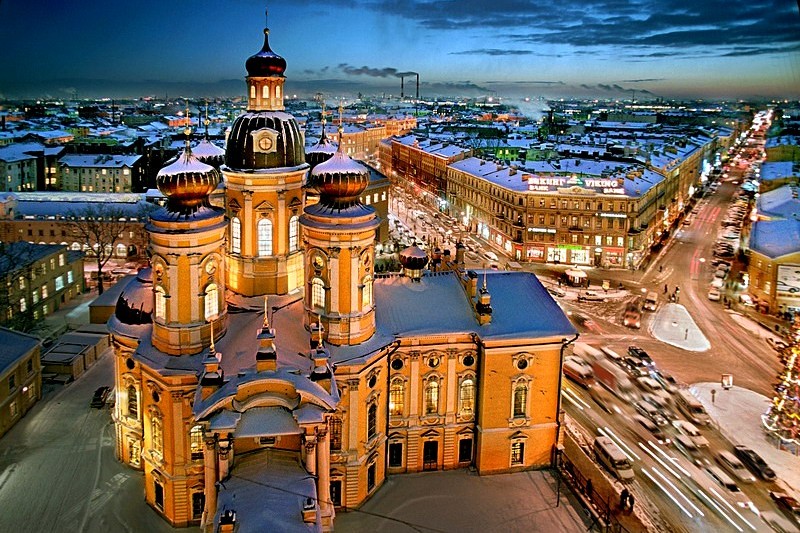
(788, 280)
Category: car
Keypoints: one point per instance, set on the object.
(776, 344)
(721, 273)
(691, 431)
(591, 296)
(634, 367)
(734, 466)
(653, 429)
(666, 380)
(717, 283)
(585, 322)
(650, 411)
(754, 462)
(635, 351)
(787, 504)
(557, 291)
(714, 295)
(100, 397)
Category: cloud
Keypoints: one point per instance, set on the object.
(494, 52)
(524, 82)
(643, 80)
(387, 72)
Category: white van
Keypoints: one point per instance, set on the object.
(609, 455)
(734, 466)
(651, 301)
(692, 408)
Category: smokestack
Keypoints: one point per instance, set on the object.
(417, 87)
(402, 86)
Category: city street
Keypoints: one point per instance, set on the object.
(58, 467)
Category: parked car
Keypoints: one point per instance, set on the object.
(776, 344)
(754, 462)
(639, 353)
(591, 296)
(714, 295)
(787, 504)
(734, 466)
(100, 397)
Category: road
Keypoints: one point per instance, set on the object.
(58, 471)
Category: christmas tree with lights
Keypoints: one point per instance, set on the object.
(783, 417)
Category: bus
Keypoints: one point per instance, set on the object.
(609, 455)
(579, 373)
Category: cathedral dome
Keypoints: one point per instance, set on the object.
(263, 140)
(320, 152)
(265, 62)
(413, 258)
(135, 304)
(208, 152)
(187, 182)
(340, 180)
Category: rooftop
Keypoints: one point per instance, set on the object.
(15, 346)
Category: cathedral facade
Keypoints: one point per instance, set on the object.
(266, 376)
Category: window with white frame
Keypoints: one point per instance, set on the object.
(294, 231)
(211, 302)
(397, 397)
(59, 283)
(161, 303)
(23, 305)
(466, 396)
(157, 435)
(236, 236)
(432, 397)
(520, 400)
(264, 237)
(196, 442)
(70, 277)
(366, 292)
(317, 293)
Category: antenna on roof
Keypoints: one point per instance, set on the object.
(266, 17)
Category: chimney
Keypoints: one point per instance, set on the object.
(227, 522)
(461, 250)
(309, 511)
(316, 335)
(472, 283)
(320, 356)
(417, 87)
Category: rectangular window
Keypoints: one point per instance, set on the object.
(517, 453)
(371, 477)
(29, 366)
(70, 277)
(198, 503)
(336, 433)
(61, 260)
(158, 489)
(44, 288)
(12, 382)
(465, 451)
(12, 408)
(395, 454)
(336, 492)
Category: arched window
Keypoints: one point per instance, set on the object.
(196, 442)
(252, 91)
(317, 293)
(133, 402)
(236, 235)
(157, 435)
(161, 304)
(212, 302)
(277, 91)
(265, 91)
(466, 397)
(122, 250)
(520, 400)
(397, 397)
(372, 421)
(432, 397)
(294, 231)
(366, 292)
(264, 237)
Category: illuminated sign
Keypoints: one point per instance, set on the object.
(569, 247)
(614, 215)
(542, 230)
(601, 185)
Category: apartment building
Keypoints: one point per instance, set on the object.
(101, 173)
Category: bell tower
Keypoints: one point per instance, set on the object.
(186, 246)
(339, 235)
(264, 173)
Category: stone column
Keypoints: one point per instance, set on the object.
(249, 231)
(311, 455)
(324, 477)
(224, 457)
(210, 483)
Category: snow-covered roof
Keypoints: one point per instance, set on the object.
(272, 421)
(99, 160)
(775, 238)
(781, 202)
(15, 346)
(777, 170)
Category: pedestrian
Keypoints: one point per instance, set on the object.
(661, 268)
(630, 501)
(623, 498)
(666, 289)
(686, 334)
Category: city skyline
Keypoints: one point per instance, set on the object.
(512, 48)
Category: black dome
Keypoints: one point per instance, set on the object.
(135, 304)
(265, 62)
(241, 154)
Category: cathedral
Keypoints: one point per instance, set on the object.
(267, 377)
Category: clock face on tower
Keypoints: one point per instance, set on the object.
(266, 144)
(318, 262)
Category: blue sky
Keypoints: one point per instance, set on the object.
(593, 48)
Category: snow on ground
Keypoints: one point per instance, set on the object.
(752, 326)
(673, 325)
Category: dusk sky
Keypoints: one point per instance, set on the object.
(509, 48)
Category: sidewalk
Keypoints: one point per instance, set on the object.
(737, 412)
(673, 325)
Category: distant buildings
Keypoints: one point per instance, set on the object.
(20, 376)
(100, 173)
(35, 280)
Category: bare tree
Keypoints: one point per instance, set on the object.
(100, 226)
(16, 280)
